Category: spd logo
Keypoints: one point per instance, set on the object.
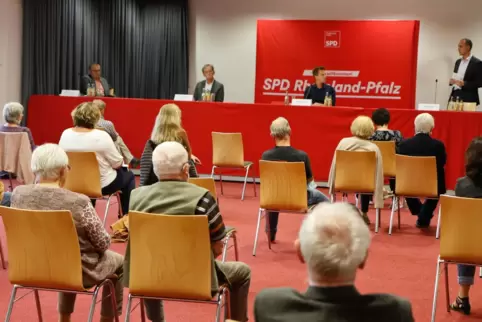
(332, 39)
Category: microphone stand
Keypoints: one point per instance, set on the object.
(436, 88)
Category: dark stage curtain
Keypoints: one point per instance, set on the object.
(140, 44)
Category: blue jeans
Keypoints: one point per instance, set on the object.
(314, 198)
(6, 199)
(465, 274)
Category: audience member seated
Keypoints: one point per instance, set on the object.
(362, 129)
(172, 194)
(283, 151)
(83, 137)
(469, 186)
(13, 114)
(50, 165)
(167, 128)
(333, 243)
(5, 196)
(423, 145)
(108, 126)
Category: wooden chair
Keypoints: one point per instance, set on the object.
(84, 178)
(388, 151)
(283, 189)
(161, 269)
(416, 177)
(17, 160)
(44, 254)
(355, 172)
(228, 152)
(208, 183)
(460, 240)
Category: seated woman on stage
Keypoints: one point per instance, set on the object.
(362, 129)
(84, 137)
(469, 186)
(167, 128)
(50, 165)
(13, 114)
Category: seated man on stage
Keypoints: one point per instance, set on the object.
(320, 93)
(423, 145)
(333, 243)
(173, 195)
(93, 80)
(108, 126)
(283, 151)
(209, 86)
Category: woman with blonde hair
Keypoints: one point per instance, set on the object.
(362, 129)
(166, 128)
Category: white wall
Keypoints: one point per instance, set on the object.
(10, 51)
(223, 33)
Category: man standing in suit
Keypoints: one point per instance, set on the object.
(209, 85)
(333, 243)
(423, 145)
(467, 77)
(94, 80)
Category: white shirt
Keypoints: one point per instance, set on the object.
(208, 87)
(464, 63)
(95, 141)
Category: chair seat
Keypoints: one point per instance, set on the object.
(230, 229)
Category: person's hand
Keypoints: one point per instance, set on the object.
(217, 248)
(459, 83)
(318, 104)
(195, 159)
(452, 81)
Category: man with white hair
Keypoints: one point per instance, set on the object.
(333, 243)
(173, 195)
(283, 151)
(423, 145)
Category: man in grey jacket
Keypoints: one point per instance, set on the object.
(94, 80)
(209, 85)
(333, 243)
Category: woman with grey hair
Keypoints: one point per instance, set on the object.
(423, 145)
(13, 114)
(50, 165)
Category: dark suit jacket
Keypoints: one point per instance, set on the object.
(87, 79)
(423, 145)
(217, 90)
(472, 81)
(329, 304)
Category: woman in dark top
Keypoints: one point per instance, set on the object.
(167, 128)
(13, 114)
(381, 118)
(469, 186)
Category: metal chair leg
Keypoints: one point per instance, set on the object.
(392, 212)
(113, 298)
(219, 307)
(434, 304)
(480, 272)
(94, 301)
(11, 181)
(398, 201)
(377, 221)
(2, 259)
(225, 247)
(437, 234)
(128, 309)
(245, 180)
(11, 303)
(106, 213)
(257, 232)
(221, 182)
(212, 171)
(37, 304)
(236, 251)
(143, 310)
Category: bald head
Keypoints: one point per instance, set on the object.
(280, 129)
(333, 241)
(170, 161)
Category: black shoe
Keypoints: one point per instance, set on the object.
(135, 163)
(421, 226)
(461, 304)
(272, 236)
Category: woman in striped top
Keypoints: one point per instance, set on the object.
(166, 128)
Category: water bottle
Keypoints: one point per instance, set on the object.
(457, 104)
(287, 99)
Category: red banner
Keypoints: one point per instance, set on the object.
(369, 63)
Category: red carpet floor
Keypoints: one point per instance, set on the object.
(402, 264)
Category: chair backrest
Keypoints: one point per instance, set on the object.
(387, 149)
(416, 176)
(460, 237)
(170, 256)
(207, 183)
(228, 149)
(43, 249)
(283, 185)
(16, 155)
(355, 171)
(84, 174)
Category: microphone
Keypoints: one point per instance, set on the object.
(308, 93)
(436, 88)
